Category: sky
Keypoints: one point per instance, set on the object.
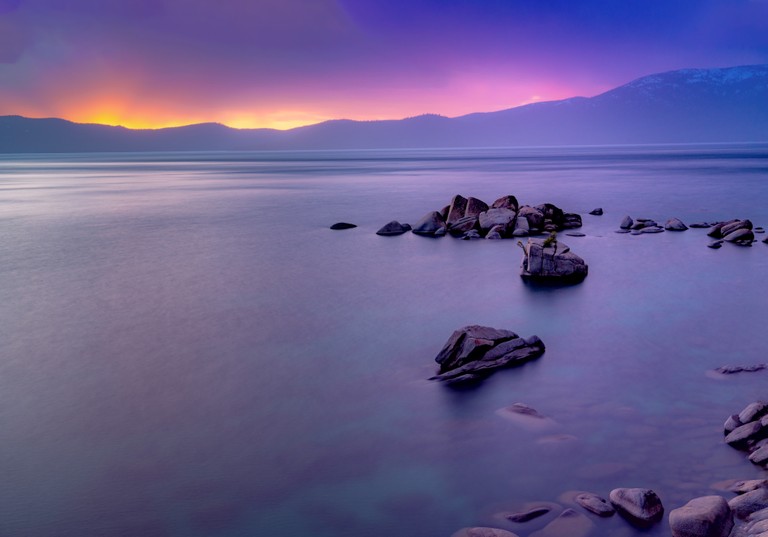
(286, 63)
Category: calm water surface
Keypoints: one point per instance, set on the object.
(186, 349)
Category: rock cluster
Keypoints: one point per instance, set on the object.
(551, 260)
(472, 218)
(638, 226)
(748, 430)
(473, 352)
(734, 231)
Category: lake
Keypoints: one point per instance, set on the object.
(187, 349)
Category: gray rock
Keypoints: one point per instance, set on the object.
(732, 423)
(741, 436)
(652, 229)
(759, 456)
(342, 225)
(708, 516)
(521, 222)
(534, 216)
(595, 504)
(497, 217)
(529, 515)
(749, 502)
(732, 369)
(715, 244)
(483, 532)
(496, 232)
(569, 523)
(571, 221)
(506, 202)
(456, 210)
(462, 225)
(476, 350)
(431, 224)
(475, 207)
(753, 411)
(748, 485)
(674, 224)
(639, 506)
(551, 260)
(735, 225)
(626, 223)
(740, 234)
(393, 228)
(596, 212)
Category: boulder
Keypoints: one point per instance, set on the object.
(474, 350)
(393, 228)
(569, 523)
(521, 223)
(431, 225)
(715, 244)
(546, 259)
(475, 207)
(708, 516)
(456, 209)
(483, 532)
(571, 221)
(595, 504)
(759, 456)
(597, 212)
(733, 226)
(342, 225)
(534, 217)
(749, 502)
(639, 506)
(552, 213)
(506, 202)
(732, 423)
(740, 234)
(496, 232)
(740, 437)
(753, 411)
(674, 224)
(496, 217)
(626, 223)
(716, 231)
(472, 234)
(462, 225)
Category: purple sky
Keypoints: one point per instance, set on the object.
(283, 63)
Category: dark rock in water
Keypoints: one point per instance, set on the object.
(462, 225)
(497, 217)
(759, 456)
(749, 502)
(707, 516)
(546, 259)
(496, 232)
(529, 515)
(597, 212)
(471, 234)
(571, 221)
(626, 223)
(552, 212)
(733, 226)
(569, 523)
(575, 234)
(674, 224)
(740, 234)
(758, 230)
(506, 202)
(456, 210)
(483, 532)
(741, 436)
(342, 225)
(595, 504)
(621, 231)
(480, 349)
(765, 240)
(748, 485)
(393, 228)
(753, 411)
(717, 230)
(652, 229)
(701, 225)
(431, 225)
(639, 506)
(475, 207)
(444, 212)
(534, 216)
(715, 244)
(732, 423)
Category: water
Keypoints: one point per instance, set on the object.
(186, 349)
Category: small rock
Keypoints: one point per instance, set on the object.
(753, 411)
(342, 225)
(758, 230)
(674, 224)
(732, 423)
(430, 225)
(732, 369)
(742, 487)
(715, 245)
(652, 229)
(529, 515)
(708, 516)
(621, 231)
(741, 436)
(483, 532)
(596, 212)
(393, 228)
(760, 456)
(749, 502)
(569, 523)
(471, 234)
(701, 225)
(595, 504)
(639, 506)
(575, 234)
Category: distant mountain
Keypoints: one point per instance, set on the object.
(690, 105)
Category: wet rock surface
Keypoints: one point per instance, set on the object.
(550, 260)
(641, 507)
(707, 516)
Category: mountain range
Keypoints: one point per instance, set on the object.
(684, 106)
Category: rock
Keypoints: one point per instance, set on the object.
(476, 350)
(551, 261)
(496, 232)
(626, 223)
(758, 230)
(393, 228)
(462, 225)
(741, 436)
(708, 516)
(571, 221)
(701, 225)
(715, 244)
(753, 411)
(342, 225)
(732, 423)
(569, 523)
(444, 212)
(621, 231)
(640, 506)
(765, 240)
(431, 225)
(740, 234)
(552, 212)
(456, 210)
(497, 217)
(749, 502)
(735, 225)
(472, 234)
(475, 207)
(520, 233)
(506, 202)
(652, 229)
(483, 532)
(674, 224)
(742, 487)
(529, 515)
(732, 369)
(597, 212)
(521, 223)
(575, 234)
(759, 456)
(595, 504)
(534, 217)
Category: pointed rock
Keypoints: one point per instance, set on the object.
(393, 228)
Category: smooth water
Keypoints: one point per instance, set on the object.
(186, 349)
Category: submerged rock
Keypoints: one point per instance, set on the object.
(393, 228)
(597, 212)
(550, 260)
(529, 515)
(639, 506)
(569, 523)
(595, 504)
(701, 225)
(708, 516)
(342, 225)
(478, 350)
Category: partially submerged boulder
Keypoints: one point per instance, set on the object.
(342, 225)
(639, 506)
(393, 228)
(550, 260)
(474, 351)
(675, 224)
(431, 225)
(707, 516)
